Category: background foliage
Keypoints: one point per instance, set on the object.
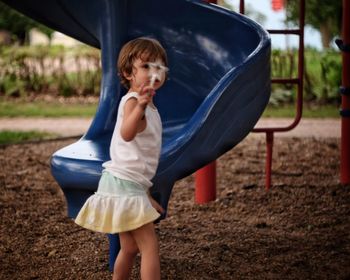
(44, 69)
(321, 80)
(76, 72)
(325, 16)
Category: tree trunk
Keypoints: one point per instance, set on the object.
(326, 35)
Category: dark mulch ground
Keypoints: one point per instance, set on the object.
(300, 229)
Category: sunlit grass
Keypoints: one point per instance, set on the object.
(12, 136)
(42, 109)
(289, 111)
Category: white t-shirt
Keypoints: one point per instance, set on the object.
(138, 159)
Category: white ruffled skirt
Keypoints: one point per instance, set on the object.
(117, 206)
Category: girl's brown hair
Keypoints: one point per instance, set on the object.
(145, 48)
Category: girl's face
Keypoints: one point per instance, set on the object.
(142, 74)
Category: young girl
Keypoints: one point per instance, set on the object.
(122, 203)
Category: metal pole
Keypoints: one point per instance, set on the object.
(299, 103)
(268, 163)
(345, 90)
(205, 178)
(241, 7)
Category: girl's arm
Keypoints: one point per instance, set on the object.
(134, 111)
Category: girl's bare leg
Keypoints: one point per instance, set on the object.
(126, 256)
(147, 243)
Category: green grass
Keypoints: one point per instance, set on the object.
(11, 136)
(57, 110)
(42, 109)
(289, 111)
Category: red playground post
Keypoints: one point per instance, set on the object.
(205, 184)
(344, 46)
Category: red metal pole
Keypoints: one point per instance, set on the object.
(345, 120)
(268, 163)
(205, 178)
(205, 184)
(298, 81)
(241, 6)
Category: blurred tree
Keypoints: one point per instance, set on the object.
(249, 10)
(324, 16)
(19, 25)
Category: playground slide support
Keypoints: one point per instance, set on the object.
(344, 45)
(205, 178)
(268, 162)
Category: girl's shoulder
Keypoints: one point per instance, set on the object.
(132, 94)
(125, 98)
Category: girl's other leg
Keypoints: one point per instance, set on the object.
(147, 243)
(126, 256)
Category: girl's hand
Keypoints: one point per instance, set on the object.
(156, 205)
(146, 93)
(134, 112)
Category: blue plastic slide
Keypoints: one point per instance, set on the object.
(218, 87)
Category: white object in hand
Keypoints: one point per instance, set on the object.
(156, 71)
(154, 77)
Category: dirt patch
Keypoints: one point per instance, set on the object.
(300, 229)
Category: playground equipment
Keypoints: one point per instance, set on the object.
(206, 176)
(207, 107)
(299, 97)
(344, 46)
